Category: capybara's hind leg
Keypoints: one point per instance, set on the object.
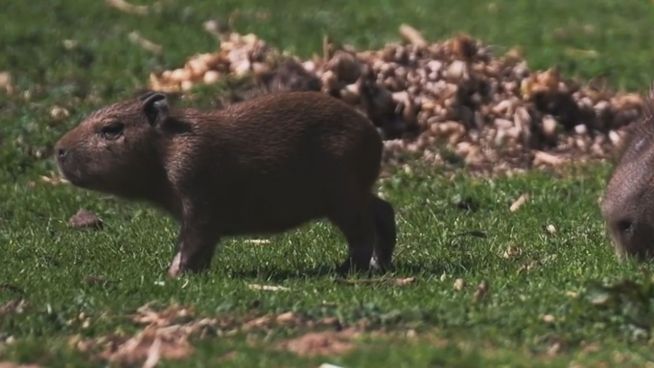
(359, 230)
(384, 219)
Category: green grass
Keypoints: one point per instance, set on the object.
(49, 265)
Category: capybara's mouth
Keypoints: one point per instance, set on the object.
(636, 249)
(72, 173)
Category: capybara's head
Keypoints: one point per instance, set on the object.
(115, 148)
(628, 203)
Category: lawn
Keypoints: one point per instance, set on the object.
(475, 284)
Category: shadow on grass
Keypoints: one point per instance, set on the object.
(276, 274)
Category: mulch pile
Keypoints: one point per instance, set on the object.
(452, 102)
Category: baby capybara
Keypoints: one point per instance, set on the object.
(260, 166)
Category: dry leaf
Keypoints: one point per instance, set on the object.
(286, 317)
(550, 229)
(16, 306)
(85, 219)
(54, 179)
(459, 284)
(548, 318)
(412, 35)
(16, 365)
(144, 43)
(547, 159)
(329, 365)
(528, 266)
(257, 322)
(126, 7)
(519, 202)
(402, 281)
(6, 83)
(166, 336)
(482, 291)
(321, 343)
(171, 315)
(58, 113)
(554, 349)
(268, 287)
(512, 251)
(258, 241)
(172, 343)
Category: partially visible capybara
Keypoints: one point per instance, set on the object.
(628, 203)
(260, 166)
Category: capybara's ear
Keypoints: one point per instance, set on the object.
(155, 107)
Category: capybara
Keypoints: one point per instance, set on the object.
(264, 165)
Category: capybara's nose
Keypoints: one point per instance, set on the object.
(61, 153)
(624, 227)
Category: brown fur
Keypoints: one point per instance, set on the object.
(261, 166)
(628, 203)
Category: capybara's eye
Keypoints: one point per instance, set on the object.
(112, 131)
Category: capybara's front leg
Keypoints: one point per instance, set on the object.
(196, 245)
(359, 231)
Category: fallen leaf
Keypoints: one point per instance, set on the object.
(171, 315)
(147, 45)
(550, 229)
(154, 354)
(171, 343)
(126, 7)
(85, 219)
(258, 241)
(53, 179)
(459, 284)
(512, 251)
(268, 287)
(16, 306)
(286, 318)
(547, 159)
(412, 35)
(58, 113)
(548, 318)
(165, 336)
(6, 83)
(257, 322)
(528, 266)
(482, 291)
(403, 281)
(519, 202)
(554, 349)
(321, 343)
(16, 365)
